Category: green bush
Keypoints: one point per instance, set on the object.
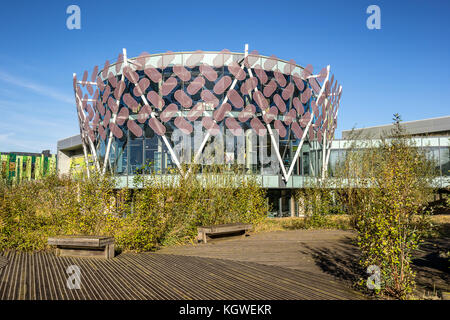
(161, 213)
(389, 186)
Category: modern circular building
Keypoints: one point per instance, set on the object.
(155, 112)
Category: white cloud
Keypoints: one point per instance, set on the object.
(42, 90)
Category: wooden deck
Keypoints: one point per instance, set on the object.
(132, 276)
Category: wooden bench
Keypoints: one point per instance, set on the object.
(205, 233)
(83, 246)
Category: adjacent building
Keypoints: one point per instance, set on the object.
(19, 166)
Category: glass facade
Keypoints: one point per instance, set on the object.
(436, 149)
(154, 113)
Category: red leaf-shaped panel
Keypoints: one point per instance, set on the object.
(208, 72)
(210, 126)
(157, 126)
(119, 62)
(100, 84)
(314, 85)
(122, 116)
(297, 130)
(183, 125)
(182, 72)
(235, 98)
(130, 74)
(289, 67)
(165, 59)
(249, 85)
(307, 71)
(279, 103)
(130, 102)
(288, 91)
(105, 69)
(155, 100)
(270, 88)
(169, 112)
(168, 86)
(134, 128)
(112, 80)
(102, 132)
(278, 125)
(194, 59)
(222, 85)
(220, 113)
(141, 87)
(85, 76)
(306, 95)
(234, 126)
(258, 126)
(221, 58)
(280, 78)
(247, 113)
(270, 115)
(183, 98)
(208, 97)
(261, 74)
(251, 59)
(144, 113)
(290, 116)
(236, 71)
(119, 90)
(107, 118)
(298, 82)
(112, 104)
(153, 74)
(196, 112)
(90, 89)
(304, 120)
(260, 100)
(116, 130)
(270, 63)
(195, 85)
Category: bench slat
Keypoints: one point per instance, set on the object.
(81, 241)
(222, 229)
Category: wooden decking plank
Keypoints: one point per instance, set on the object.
(42, 275)
(260, 284)
(159, 276)
(126, 288)
(221, 275)
(306, 277)
(184, 279)
(206, 283)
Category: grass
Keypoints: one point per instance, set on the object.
(441, 224)
(337, 222)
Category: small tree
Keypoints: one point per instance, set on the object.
(388, 187)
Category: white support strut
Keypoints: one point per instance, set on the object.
(297, 152)
(113, 120)
(84, 135)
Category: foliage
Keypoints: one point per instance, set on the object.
(169, 210)
(319, 200)
(33, 210)
(160, 213)
(332, 222)
(387, 189)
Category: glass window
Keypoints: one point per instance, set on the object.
(135, 156)
(444, 161)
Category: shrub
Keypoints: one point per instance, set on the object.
(166, 212)
(389, 185)
(160, 213)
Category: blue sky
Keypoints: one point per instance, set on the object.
(404, 67)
